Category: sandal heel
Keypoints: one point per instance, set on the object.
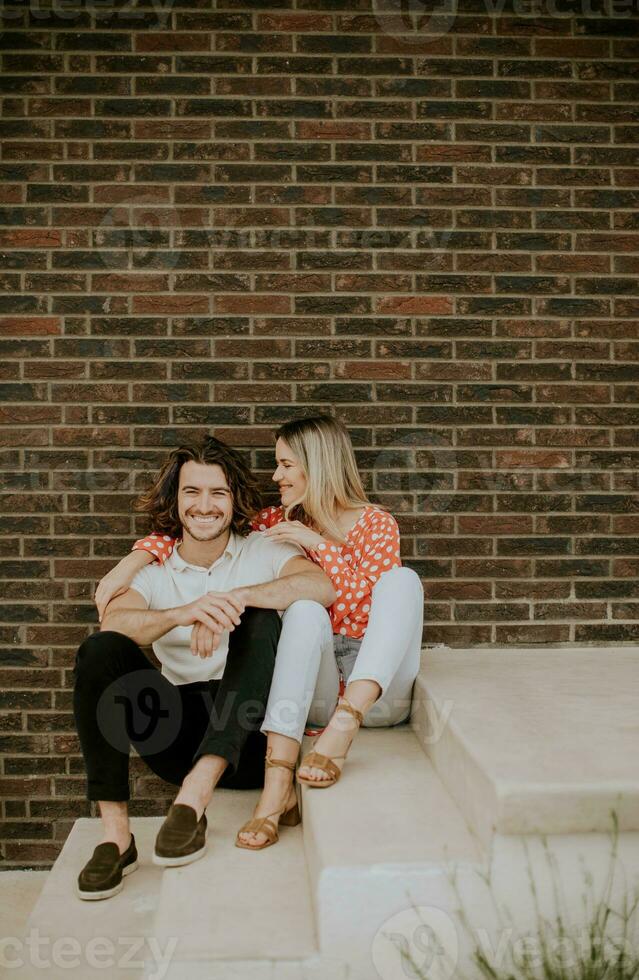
(292, 817)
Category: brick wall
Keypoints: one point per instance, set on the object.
(215, 217)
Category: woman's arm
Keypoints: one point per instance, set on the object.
(158, 546)
(118, 580)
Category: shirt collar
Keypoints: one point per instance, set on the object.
(178, 563)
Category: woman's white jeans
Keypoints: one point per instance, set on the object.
(306, 678)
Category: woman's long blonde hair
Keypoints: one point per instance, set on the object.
(324, 451)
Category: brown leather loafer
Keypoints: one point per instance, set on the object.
(102, 875)
(181, 838)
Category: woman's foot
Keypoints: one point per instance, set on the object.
(334, 742)
(278, 796)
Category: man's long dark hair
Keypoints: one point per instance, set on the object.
(160, 501)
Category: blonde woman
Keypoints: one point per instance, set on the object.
(352, 664)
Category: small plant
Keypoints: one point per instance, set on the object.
(604, 949)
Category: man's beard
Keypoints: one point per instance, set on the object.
(206, 536)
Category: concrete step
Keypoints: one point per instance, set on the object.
(380, 841)
(533, 741)
(235, 906)
(19, 891)
(102, 939)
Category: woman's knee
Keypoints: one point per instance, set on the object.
(307, 615)
(403, 579)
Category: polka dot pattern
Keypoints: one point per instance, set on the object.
(372, 547)
(159, 545)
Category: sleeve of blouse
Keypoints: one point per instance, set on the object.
(160, 545)
(380, 553)
(267, 518)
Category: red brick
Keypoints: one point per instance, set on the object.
(385, 370)
(26, 326)
(407, 305)
(250, 303)
(172, 41)
(169, 304)
(123, 283)
(531, 459)
(306, 22)
(528, 633)
(121, 194)
(328, 129)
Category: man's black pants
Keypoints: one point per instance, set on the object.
(121, 699)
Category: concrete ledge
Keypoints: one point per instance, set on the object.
(533, 741)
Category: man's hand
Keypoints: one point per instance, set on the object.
(204, 642)
(218, 611)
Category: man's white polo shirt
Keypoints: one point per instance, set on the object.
(246, 561)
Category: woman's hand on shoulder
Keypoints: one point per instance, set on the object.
(294, 532)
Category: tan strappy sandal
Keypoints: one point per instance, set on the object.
(325, 762)
(264, 825)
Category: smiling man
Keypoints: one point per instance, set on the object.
(196, 721)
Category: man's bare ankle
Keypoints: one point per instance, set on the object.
(195, 793)
(121, 838)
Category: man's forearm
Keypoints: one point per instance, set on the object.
(142, 625)
(281, 592)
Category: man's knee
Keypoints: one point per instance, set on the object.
(98, 649)
(257, 626)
